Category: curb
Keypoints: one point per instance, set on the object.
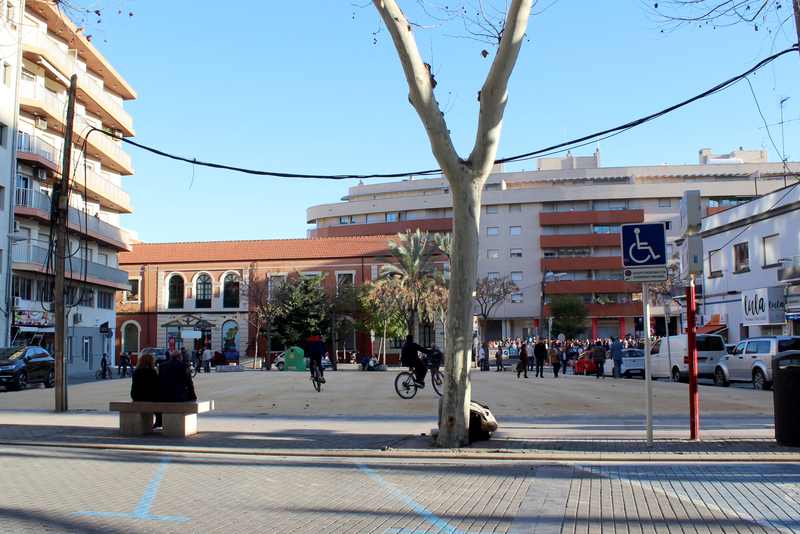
(427, 454)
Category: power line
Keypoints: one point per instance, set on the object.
(553, 149)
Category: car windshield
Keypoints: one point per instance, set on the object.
(789, 344)
(705, 343)
(634, 353)
(12, 353)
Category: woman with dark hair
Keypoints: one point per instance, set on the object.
(144, 386)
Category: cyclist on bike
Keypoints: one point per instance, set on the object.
(315, 351)
(409, 357)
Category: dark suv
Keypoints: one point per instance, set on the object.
(20, 366)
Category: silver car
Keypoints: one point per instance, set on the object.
(751, 360)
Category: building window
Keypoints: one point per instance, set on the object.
(741, 258)
(3, 134)
(87, 297)
(392, 216)
(105, 300)
(491, 210)
(230, 291)
(276, 281)
(606, 229)
(175, 290)
(516, 253)
(516, 298)
(492, 187)
(667, 225)
(664, 202)
(44, 290)
(344, 281)
(492, 230)
(609, 205)
(715, 263)
(132, 295)
(493, 254)
(86, 352)
(770, 247)
(344, 220)
(515, 230)
(427, 334)
(22, 287)
(130, 338)
(516, 276)
(203, 291)
(492, 275)
(515, 208)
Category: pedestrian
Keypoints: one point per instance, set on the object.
(174, 381)
(599, 359)
(555, 360)
(144, 385)
(498, 359)
(207, 357)
(616, 355)
(540, 355)
(481, 356)
(522, 365)
(531, 358)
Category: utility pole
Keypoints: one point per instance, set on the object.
(60, 218)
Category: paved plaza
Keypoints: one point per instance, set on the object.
(278, 457)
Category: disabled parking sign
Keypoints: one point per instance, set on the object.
(644, 245)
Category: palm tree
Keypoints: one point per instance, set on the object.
(444, 242)
(413, 253)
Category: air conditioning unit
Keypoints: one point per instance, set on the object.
(77, 318)
(41, 123)
(17, 302)
(117, 133)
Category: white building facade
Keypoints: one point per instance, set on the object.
(752, 267)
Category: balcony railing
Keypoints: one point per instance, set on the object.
(102, 186)
(106, 145)
(24, 252)
(80, 219)
(36, 145)
(68, 65)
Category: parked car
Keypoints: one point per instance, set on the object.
(670, 358)
(751, 360)
(159, 353)
(20, 366)
(729, 347)
(632, 363)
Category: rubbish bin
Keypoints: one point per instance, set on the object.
(295, 359)
(786, 395)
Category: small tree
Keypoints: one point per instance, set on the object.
(305, 309)
(344, 308)
(381, 305)
(569, 314)
(263, 310)
(489, 293)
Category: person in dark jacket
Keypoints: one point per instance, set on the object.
(144, 386)
(174, 381)
(540, 355)
(315, 350)
(522, 366)
(599, 358)
(409, 357)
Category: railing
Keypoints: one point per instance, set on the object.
(54, 106)
(69, 65)
(104, 143)
(24, 252)
(102, 186)
(35, 145)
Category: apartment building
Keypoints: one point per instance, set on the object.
(52, 50)
(555, 231)
(194, 295)
(752, 267)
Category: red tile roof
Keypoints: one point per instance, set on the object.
(267, 249)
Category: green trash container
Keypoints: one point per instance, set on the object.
(295, 359)
(786, 395)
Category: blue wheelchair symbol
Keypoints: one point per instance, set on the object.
(643, 245)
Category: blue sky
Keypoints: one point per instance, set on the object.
(300, 87)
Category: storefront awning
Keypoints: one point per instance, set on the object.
(712, 328)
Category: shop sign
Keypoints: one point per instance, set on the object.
(766, 305)
(32, 318)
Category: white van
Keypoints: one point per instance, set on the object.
(669, 357)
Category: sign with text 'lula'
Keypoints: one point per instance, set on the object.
(766, 305)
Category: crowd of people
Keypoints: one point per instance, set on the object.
(171, 381)
(533, 353)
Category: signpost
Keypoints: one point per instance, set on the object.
(644, 258)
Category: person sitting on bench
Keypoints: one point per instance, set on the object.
(145, 385)
(174, 381)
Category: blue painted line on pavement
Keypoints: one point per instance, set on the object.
(440, 524)
(142, 511)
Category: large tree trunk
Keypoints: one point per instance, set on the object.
(454, 408)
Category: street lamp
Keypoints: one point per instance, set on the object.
(546, 277)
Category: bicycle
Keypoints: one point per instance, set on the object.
(316, 377)
(193, 369)
(405, 384)
(99, 375)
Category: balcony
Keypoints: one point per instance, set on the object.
(91, 94)
(101, 189)
(28, 257)
(388, 228)
(107, 150)
(573, 287)
(560, 218)
(628, 309)
(34, 149)
(579, 240)
(582, 263)
(37, 204)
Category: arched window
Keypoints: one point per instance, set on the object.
(230, 291)
(175, 289)
(203, 292)
(130, 338)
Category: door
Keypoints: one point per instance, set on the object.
(736, 361)
(756, 351)
(34, 363)
(658, 361)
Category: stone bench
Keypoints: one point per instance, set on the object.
(179, 419)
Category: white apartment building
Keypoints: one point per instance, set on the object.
(752, 267)
(52, 49)
(563, 219)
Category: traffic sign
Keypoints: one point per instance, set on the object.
(645, 274)
(644, 245)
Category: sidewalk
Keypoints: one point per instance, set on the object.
(579, 439)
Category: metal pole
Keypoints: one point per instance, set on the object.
(691, 348)
(61, 198)
(648, 382)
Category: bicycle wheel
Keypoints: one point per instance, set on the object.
(437, 380)
(405, 386)
(192, 371)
